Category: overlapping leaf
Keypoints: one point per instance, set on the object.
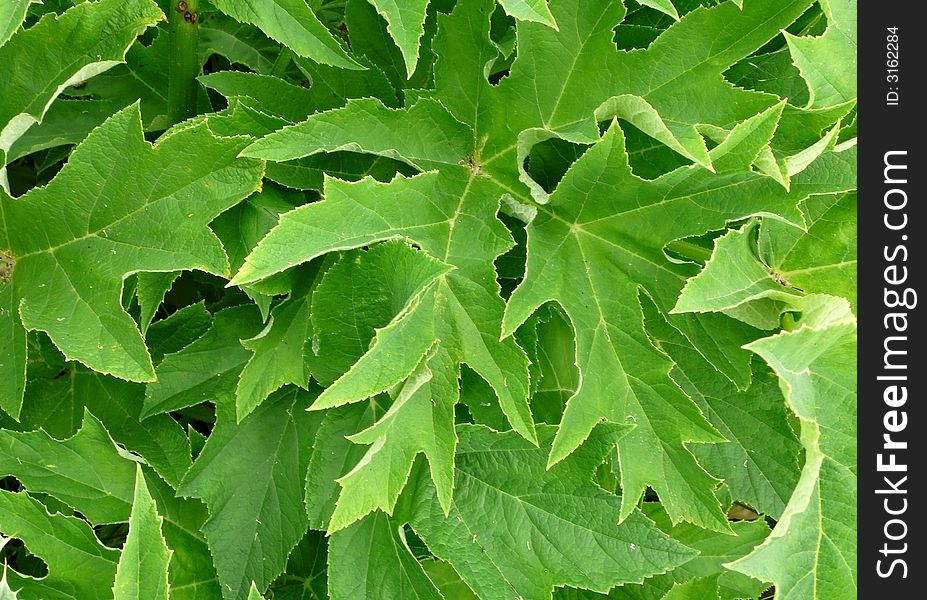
(254, 523)
(79, 566)
(405, 296)
(84, 41)
(142, 570)
(370, 560)
(823, 60)
(293, 23)
(560, 526)
(814, 362)
(590, 250)
(119, 206)
(449, 214)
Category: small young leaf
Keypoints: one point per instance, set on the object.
(79, 566)
(292, 23)
(142, 570)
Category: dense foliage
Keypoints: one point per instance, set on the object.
(515, 299)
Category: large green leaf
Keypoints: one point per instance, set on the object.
(389, 289)
(759, 462)
(291, 22)
(84, 41)
(560, 527)
(254, 523)
(591, 249)
(811, 553)
(87, 471)
(449, 214)
(119, 206)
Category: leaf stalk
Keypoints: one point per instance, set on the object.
(184, 66)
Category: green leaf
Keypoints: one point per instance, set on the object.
(58, 404)
(819, 257)
(79, 566)
(757, 271)
(823, 60)
(734, 280)
(368, 126)
(371, 560)
(406, 24)
(292, 23)
(150, 291)
(279, 354)
(560, 527)
(12, 14)
(333, 455)
(141, 78)
(664, 6)
(359, 214)
(209, 368)
(254, 523)
(142, 569)
(570, 73)
(73, 241)
(529, 10)
(811, 553)
(421, 419)
(85, 41)
(238, 42)
(67, 122)
(192, 575)
(705, 572)
(274, 95)
(602, 215)
(759, 464)
(87, 471)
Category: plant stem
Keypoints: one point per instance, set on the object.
(184, 65)
(282, 62)
(689, 250)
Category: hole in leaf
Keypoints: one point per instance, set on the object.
(648, 157)
(510, 267)
(10, 484)
(17, 557)
(201, 417)
(113, 535)
(549, 161)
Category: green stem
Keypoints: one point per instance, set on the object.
(689, 250)
(282, 62)
(184, 66)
